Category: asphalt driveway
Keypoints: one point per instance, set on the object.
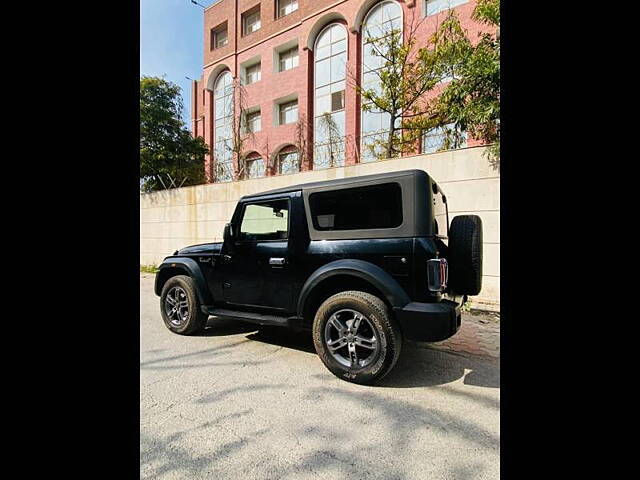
(241, 403)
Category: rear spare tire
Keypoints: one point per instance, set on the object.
(465, 255)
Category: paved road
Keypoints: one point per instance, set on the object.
(238, 403)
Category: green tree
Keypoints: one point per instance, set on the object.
(471, 100)
(169, 156)
(396, 82)
(448, 81)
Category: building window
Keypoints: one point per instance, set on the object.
(287, 162)
(289, 59)
(219, 36)
(253, 122)
(251, 21)
(285, 7)
(431, 7)
(255, 167)
(223, 127)
(435, 139)
(329, 86)
(288, 112)
(252, 74)
(361, 208)
(382, 20)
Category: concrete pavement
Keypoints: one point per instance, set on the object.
(237, 402)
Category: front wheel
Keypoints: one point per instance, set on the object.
(180, 307)
(356, 337)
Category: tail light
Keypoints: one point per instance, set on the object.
(437, 274)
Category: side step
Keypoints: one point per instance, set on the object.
(253, 317)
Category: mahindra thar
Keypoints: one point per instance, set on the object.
(361, 262)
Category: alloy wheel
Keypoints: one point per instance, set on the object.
(351, 339)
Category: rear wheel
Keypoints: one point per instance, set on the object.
(180, 307)
(355, 337)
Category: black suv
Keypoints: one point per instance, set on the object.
(362, 262)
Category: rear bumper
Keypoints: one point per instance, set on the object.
(429, 322)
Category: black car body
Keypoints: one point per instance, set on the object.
(286, 251)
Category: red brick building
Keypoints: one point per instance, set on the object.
(294, 60)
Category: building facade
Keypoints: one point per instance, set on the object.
(277, 94)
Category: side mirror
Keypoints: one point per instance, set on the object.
(228, 232)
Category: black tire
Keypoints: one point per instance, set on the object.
(465, 255)
(193, 320)
(379, 322)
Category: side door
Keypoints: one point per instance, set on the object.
(256, 271)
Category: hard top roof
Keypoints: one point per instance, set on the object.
(339, 182)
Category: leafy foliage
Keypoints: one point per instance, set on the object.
(472, 100)
(464, 78)
(169, 156)
(400, 84)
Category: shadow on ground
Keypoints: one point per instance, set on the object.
(418, 365)
(336, 448)
(221, 327)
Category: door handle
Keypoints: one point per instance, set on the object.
(276, 261)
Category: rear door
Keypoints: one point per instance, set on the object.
(257, 273)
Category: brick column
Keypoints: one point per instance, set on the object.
(208, 133)
(352, 100)
(308, 111)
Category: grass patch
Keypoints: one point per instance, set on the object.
(149, 269)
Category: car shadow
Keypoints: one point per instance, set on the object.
(222, 327)
(422, 366)
(418, 366)
(284, 337)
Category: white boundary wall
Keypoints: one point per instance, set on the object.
(172, 219)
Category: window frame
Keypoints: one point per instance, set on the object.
(279, 162)
(255, 159)
(245, 17)
(280, 112)
(215, 32)
(341, 153)
(449, 7)
(446, 126)
(282, 53)
(279, 8)
(219, 122)
(391, 184)
(364, 154)
(239, 241)
(253, 114)
(410, 208)
(246, 73)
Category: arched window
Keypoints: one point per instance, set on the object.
(254, 166)
(383, 19)
(287, 161)
(223, 138)
(329, 86)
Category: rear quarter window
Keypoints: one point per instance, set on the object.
(360, 208)
(441, 227)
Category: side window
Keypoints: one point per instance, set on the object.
(361, 208)
(265, 221)
(439, 212)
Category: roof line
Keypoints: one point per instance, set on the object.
(336, 181)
